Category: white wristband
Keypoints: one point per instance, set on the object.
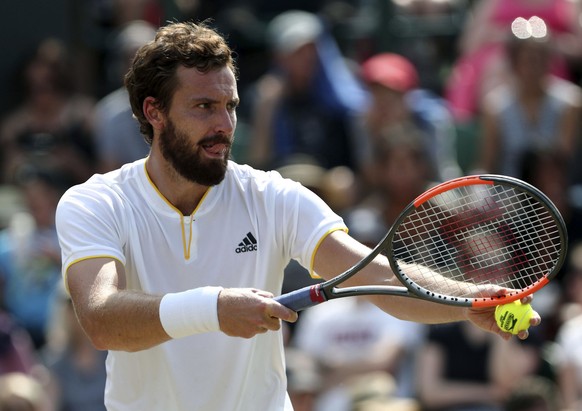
(190, 312)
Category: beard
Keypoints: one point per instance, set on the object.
(189, 162)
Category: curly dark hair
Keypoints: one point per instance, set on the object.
(152, 72)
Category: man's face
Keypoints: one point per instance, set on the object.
(197, 137)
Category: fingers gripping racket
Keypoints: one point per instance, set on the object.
(474, 241)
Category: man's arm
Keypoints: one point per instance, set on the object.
(115, 318)
(339, 251)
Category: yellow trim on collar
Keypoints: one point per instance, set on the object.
(186, 244)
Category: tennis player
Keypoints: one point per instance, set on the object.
(171, 259)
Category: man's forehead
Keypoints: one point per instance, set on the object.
(220, 79)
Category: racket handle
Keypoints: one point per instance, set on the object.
(302, 298)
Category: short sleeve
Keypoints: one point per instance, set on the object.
(303, 219)
(88, 222)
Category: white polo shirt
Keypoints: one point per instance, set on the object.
(243, 234)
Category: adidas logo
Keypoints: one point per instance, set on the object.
(249, 243)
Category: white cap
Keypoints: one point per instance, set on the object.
(293, 29)
(134, 35)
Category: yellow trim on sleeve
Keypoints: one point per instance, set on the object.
(92, 257)
(312, 272)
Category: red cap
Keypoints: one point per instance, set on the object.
(390, 70)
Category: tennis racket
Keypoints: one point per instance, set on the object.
(474, 241)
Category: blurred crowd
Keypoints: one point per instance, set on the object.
(366, 102)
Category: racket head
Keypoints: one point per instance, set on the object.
(490, 239)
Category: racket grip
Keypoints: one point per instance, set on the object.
(302, 298)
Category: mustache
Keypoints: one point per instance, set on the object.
(216, 139)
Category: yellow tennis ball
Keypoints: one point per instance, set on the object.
(513, 317)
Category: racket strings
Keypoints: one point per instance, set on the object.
(477, 235)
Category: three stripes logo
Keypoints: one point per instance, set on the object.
(249, 243)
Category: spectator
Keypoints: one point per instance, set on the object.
(117, 136)
(533, 111)
(337, 186)
(464, 369)
(308, 103)
(397, 102)
(534, 394)
(53, 127)
(17, 352)
(569, 368)
(30, 260)
(550, 171)
(571, 304)
(568, 335)
(78, 369)
(22, 392)
(304, 379)
(375, 392)
(400, 171)
(482, 65)
(350, 337)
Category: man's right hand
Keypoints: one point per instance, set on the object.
(246, 312)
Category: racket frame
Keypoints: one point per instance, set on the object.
(326, 290)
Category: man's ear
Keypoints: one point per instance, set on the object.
(153, 113)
